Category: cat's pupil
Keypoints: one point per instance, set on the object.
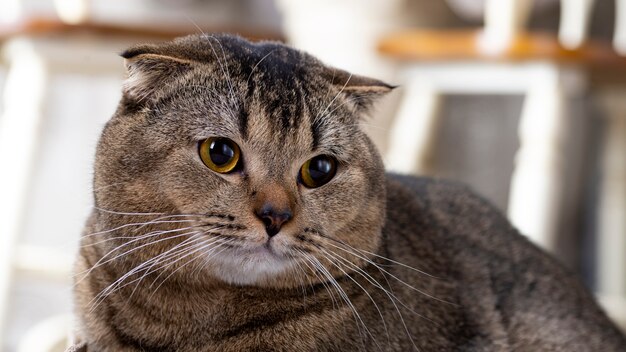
(221, 152)
(320, 168)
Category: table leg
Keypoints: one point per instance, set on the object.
(612, 205)
(19, 135)
(619, 38)
(574, 22)
(536, 181)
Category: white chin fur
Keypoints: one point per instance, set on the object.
(248, 268)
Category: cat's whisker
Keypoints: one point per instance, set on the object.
(330, 258)
(174, 252)
(139, 224)
(123, 213)
(200, 247)
(345, 102)
(225, 243)
(167, 254)
(126, 213)
(319, 112)
(305, 261)
(100, 262)
(327, 282)
(301, 282)
(163, 221)
(335, 304)
(343, 243)
(134, 239)
(347, 128)
(202, 266)
(110, 288)
(172, 258)
(163, 256)
(257, 65)
(321, 279)
(194, 24)
(323, 114)
(399, 263)
(116, 285)
(392, 297)
(394, 276)
(223, 67)
(332, 262)
(380, 286)
(342, 293)
(214, 226)
(206, 255)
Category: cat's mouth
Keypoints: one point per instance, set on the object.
(265, 249)
(268, 250)
(254, 262)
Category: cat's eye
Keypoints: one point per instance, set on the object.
(220, 154)
(318, 171)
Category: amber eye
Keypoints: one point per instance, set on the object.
(318, 171)
(220, 154)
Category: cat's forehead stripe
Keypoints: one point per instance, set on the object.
(244, 114)
(315, 133)
(279, 89)
(243, 123)
(273, 86)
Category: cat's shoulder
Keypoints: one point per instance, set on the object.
(431, 191)
(450, 201)
(452, 210)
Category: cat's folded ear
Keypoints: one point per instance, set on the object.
(150, 72)
(361, 91)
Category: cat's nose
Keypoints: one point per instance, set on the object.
(273, 218)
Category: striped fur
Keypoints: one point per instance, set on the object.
(173, 258)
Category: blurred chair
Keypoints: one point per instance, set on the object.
(611, 247)
(619, 39)
(35, 50)
(550, 71)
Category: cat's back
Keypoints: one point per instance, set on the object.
(511, 293)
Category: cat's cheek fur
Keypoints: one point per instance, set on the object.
(351, 200)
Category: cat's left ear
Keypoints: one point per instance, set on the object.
(150, 71)
(360, 90)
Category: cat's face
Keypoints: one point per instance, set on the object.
(250, 156)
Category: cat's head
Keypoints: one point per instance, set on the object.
(247, 158)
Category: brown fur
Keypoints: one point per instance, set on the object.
(402, 263)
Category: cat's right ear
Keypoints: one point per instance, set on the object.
(149, 72)
(361, 91)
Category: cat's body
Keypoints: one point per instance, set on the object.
(363, 261)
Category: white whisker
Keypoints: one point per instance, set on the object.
(100, 261)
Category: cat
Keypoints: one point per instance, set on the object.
(239, 206)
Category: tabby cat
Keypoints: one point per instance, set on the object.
(239, 206)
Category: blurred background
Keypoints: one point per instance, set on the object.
(524, 100)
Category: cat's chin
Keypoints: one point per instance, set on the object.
(259, 265)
